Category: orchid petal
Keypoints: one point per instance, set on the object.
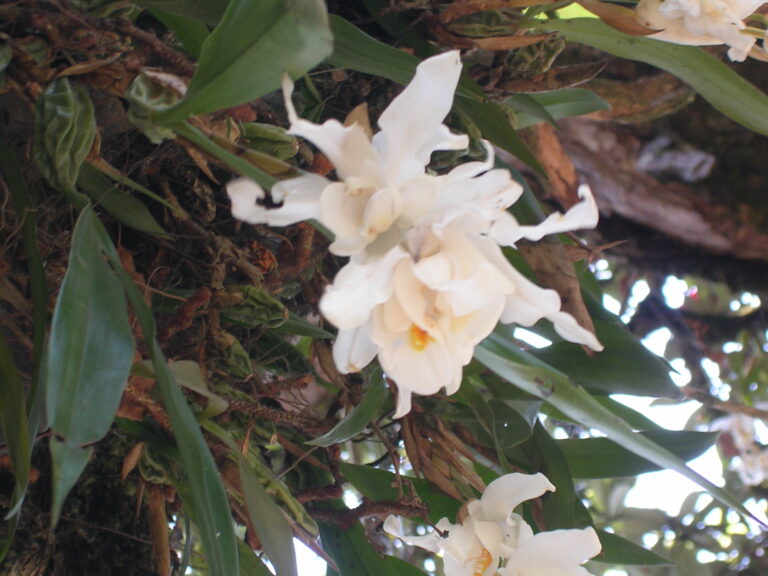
(535, 556)
(353, 349)
(394, 526)
(567, 327)
(299, 197)
(412, 128)
(507, 492)
(347, 147)
(358, 288)
(583, 214)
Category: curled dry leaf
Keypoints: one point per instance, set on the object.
(619, 17)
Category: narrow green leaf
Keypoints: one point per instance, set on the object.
(557, 104)
(496, 126)
(258, 308)
(379, 485)
(503, 357)
(715, 81)
(250, 564)
(69, 461)
(91, 344)
(13, 419)
(122, 206)
(355, 556)
(191, 33)
(359, 417)
(249, 50)
(618, 550)
(207, 495)
(356, 50)
(269, 522)
(602, 458)
(298, 326)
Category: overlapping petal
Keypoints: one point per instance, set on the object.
(701, 22)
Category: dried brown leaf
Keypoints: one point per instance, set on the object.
(509, 42)
(619, 17)
(131, 460)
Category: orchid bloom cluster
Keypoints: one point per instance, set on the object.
(493, 539)
(701, 22)
(751, 462)
(426, 280)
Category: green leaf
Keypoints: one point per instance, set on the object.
(379, 485)
(298, 326)
(602, 458)
(359, 417)
(208, 11)
(557, 104)
(90, 350)
(207, 496)
(496, 126)
(537, 378)
(65, 127)
(715, 81)
(192, 33)
(250, 564)
(269, 522)
(625, 366)
(69, 461)
(13, 419)
(354, 555)
(122, 206)
(249, 50)
(618, 550)
(356, 50)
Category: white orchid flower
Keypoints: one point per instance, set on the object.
(553, 553)
(701, 22)
(382, 182)
(425, 305)
(492, 533)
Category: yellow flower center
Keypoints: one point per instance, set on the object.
(420, 339)
(482, 562)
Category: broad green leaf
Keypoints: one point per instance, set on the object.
(359, 417)
(192, 33)
(122, 206)
(207, 496)
(207, 11)
(561, 508)
(715, 81)
(618, 550)
(379, 485)
(69, 461)
(355, 556)
(13, 420)
(269, 522)
(557, 104)
(65, 127)
(602, 458)
(90, 349)
(249, 50)
(539, 379)
(505, 426)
